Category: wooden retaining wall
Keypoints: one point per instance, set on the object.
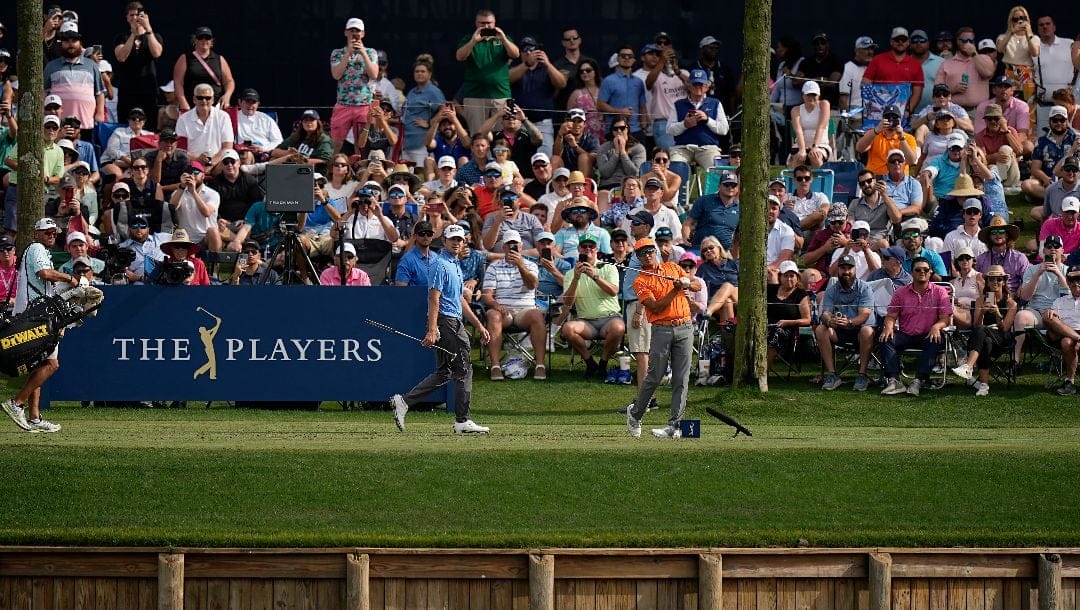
(35, 578)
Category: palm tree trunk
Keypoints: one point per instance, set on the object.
(31, 201)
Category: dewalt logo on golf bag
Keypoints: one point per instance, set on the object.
(14, 340)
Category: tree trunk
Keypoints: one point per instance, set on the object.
(750, 346)
(31, 201)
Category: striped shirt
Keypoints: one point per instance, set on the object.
(78, 83)
(509, 286)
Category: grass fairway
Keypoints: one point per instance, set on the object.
(834, 468)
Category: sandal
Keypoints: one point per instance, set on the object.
(540, 373)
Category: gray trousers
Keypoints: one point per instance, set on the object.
(458, 368)
(674, 344)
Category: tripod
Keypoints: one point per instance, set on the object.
(297, 266)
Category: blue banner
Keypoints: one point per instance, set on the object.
(876, 97)
(274, 343)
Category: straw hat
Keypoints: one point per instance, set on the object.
(996, 271)
(997, 223)
(402, 171)
(179, 238)
(964, 187)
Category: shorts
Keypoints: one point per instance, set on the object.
(416, 155)
(1037, 315)
(847, 336)
(345, 118)
(637, 339)
(320, 244)
(598, 325)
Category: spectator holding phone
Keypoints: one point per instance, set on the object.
(354, 67)
(256, 130)
(486, 55)
(422, 104)
(137, 52)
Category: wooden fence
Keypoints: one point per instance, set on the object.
(36, 578)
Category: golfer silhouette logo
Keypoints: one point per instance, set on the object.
(206, 335)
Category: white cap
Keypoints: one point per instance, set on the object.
(397, 187)
(229, 153)
(561, 172)
(68, 144)
(542, 235)
(540, 157)
(787, 266)
(371, 184)
(69, 26)
(956, 139)
(811, 88)
(121, 186)
(76, 236)
(511, 236)
(708, 40)
(860, 224)
(492, 166)
(453, 230)
(776, 200)
(964, 251)
(82, 164)
(895, 151)
(44, 224)
(318, 176)
(972, 202)
(1058, 111)
(447, 161)
(53, 99)
(985, 44)
(1070, 204)
(104, 66)
(897, 32)
(576, 113)
(51, 118)
(347, 248)
(914, 223)
(355, 24)
(169, 87)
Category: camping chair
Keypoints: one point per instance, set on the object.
(823, 181)
(1041, 352)
(682, 200)
(211, 259)
(948, 348)
(373, 257)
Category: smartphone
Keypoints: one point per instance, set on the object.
(489, 32)
(511, 105)
(94, 50)
(434, 207)
(513, 248)
(69, 193)
(241, 261)
(545, 253)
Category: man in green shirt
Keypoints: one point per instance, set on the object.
(595, 291)
(486, 54)
(53, 169)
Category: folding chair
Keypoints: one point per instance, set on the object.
(947, 348)
(1053, 365)
(823, 182)
(373, 257)
(211, 259)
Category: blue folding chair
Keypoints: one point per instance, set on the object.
(102, 133)
(822, 183)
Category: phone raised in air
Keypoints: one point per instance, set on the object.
(489, 32)
(545, 253)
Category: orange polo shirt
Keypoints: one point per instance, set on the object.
(876, 161)
(648, 286)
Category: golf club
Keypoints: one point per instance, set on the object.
(381, 326)
(727, 419)
(638, 269)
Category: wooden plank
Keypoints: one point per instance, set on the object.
(667, 595)
(1068, 594)
(625, 595)
(584, 596)
(957, 594)
(285, 593)
(565, 592)
(63, 594)
(843, 594)
(786, 594)
(992, 590)
(688, 594)
(41, 592)
(194, 594)
(378, 594)
(23, 594)
(1010, 594)
(395, 593)
(825, 594)
(240, 593)
(730, 594)
(306, 593)
(127, 592)
(960, 565)
(479, 595)
(217, 593)
(848, 565)
(939, 594)
(806, 593)
(976, 594)
(438, 594)
(645, 593)
(901, 594)
(920, 594)
(455, 566)
(502, 594)
(416, 593)
(76, 563)
(329, 594)
(299, 565)
(745, 593)
(626, 567)
(605, 594)
(262, 594)
(521, 595)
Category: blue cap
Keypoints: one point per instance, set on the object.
(699, 77)
(650, 48)
(729, 177)
(894, 252)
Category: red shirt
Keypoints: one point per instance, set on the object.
(991, 142)
(886, 70)
(485, 201)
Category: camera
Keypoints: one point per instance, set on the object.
(117, 260)
(511, 106)
(175, 273)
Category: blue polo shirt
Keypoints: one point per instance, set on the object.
(414, 267)
(947, 174)
(445, 276)
(567, 240)
(420, 104)
(932, 257)
(714, 218)
(849, 301)
(623, 91)
(906, 192)
(627, 288)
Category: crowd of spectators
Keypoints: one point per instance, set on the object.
(554, 163)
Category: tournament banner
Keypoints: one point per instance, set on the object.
(273, 343)
(878, 96)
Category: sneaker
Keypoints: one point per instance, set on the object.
(612, 376)
(963, 371)
(653, 405)
(16, 413)
(832, 381)
(982, 389)
(625, 377)
(400, 409)
(914, 387)
(626, 409)
(668, 432)
(861, 383)
(633, 426)
(540, 373)
(496, 373)
(1067, 388)
(893, 387)
(470, 427)
(874, 365)
(40, 425)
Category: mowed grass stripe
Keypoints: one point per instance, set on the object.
(572, 497)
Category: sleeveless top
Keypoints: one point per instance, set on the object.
(196, 75)
(594, 123)
(965, 287)
(810, 122)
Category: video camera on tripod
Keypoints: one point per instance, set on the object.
(290, 191)
(117, 260)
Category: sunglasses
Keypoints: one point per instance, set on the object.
(708, 248)
(397, 196)
(233, 162)
(636, 223)
(251, 252)
(7, 248)
(586, 70)
(1072, 169)
(619, 128)
(646, 252)
(204, 37)
(626, 55)
(1052, 246)
(425, 234)
(500, 149)
(803, 178)
(866, 182)
(1058, 119)
(52, 127)
(81, 172)
(921, 270)
(688, 266)
(859, 234)
(661, 160)
(538, 164)
(349, 256)
(492, 174)
(998, 231)
(1019, 19)
(972, 211)
(836, 222)
(140, 167)
(964, 259)
(896, 161)
(204, 98)
(900, 39)
(967, 41)
(121, 195)
(912, 235)
(996, 278)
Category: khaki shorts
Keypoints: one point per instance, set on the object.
(637, 339)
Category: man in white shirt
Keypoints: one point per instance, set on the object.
(1063, 322)
(967, 234)
(208, 129)
(117, 154)
(510, 296)
(662, 89)
(811, 207)
(255, 129)
(195, 206)
(1053, 67)
(780, 245)
(850, 82)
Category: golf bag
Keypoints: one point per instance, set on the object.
(720, 353)
(28, 338)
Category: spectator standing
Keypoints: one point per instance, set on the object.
(896, 67)
(354, 67)
(920, 50)
(824, 67)
(486, 54)
(851, 80)
(534, 83)
(569, 62)
(1053, 65)
(586, 89)
(722, 81)
(422, 104)
(665, 89)
(622, 93)
(203, 65)
(77, 80)
(968, 72)
(136, 53)
(1019, 47)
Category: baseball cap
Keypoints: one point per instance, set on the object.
(617, 234)
(447, 161)
(354, 24)
(249, 94)
(70, 31)
(987, 45)
(642, 216)
(53, 99)
(252, 244)
(1058, 111)
(961, 251)
(121, 186)
(865, 42)
(81, 260)
(706, 41)
(944, 113)
(778, 180)
(811, 88)
(1073, 271)
(318, 177)
(576, 113)
(347, 248)
(898, 32)
(846, 260)
(229, 153)
(204, 31)
(169, 87)
(917, 224)
(310, 114)
(398, 188)
(493, 166)
(729, 178)
(44, 224)
(819, 34)
(52, 118)
(992, 111)
(511, 236)
(644, 242)
(76, 236)
(452, 231)
(919, 34)
(860, 225)
(838, 211)
(1070, 204)
(890, 110)
(529, 41)
(649, 48)
(136, 111)
(542, 235)
(540, 157)
(1071, 162)
(654, 182)
(167, 133)
(941, 88)
(776, 200)
(588, 237)
(788, 266)
(6, 240)
(663, 234)
(561, 172)
(1001, 81)
(1053, 241)
(896, 252)
(422, 227)
(956, 139)
(197, 165)
(661, 36)
(699, 77)
(972, 202)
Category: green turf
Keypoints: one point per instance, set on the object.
(833, 468)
